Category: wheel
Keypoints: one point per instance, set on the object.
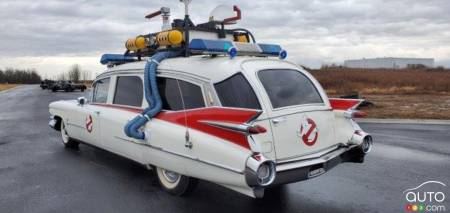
(54, 89)
(174, 183)
(82, 89)
(68, 143)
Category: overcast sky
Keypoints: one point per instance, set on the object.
(51, 35)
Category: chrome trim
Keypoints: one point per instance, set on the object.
(252, 167)
(293, 113)
(310, 162)
(52, 123)
(184, 156)
(75, 125)
(242, 128)
(311, 155)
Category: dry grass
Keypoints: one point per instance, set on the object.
(383, 81)
(7, 86)
(415, 94)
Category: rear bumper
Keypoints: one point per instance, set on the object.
(295, 171)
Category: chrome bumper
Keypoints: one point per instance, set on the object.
(294, 171)
(52, 122)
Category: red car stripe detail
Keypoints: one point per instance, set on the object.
(194, 117)
(125, 108)
(343, 104)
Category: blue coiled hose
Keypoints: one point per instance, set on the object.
(132, 128)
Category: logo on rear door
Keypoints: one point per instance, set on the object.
(308, 131)
(89, 124)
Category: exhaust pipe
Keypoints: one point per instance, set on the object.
(366, 145)
(363, 140)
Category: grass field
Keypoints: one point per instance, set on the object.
(7, 86)
(421, 94)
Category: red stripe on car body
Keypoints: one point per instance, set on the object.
(194, 116)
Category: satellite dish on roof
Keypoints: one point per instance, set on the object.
(225, 14)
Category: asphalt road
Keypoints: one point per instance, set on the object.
(38, 175)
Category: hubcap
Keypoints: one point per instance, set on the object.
(170, 176)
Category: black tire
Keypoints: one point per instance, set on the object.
(54, 89)
(180, 186)
(66, 140)
(82, 89)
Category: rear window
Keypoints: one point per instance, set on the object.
(171, 96)
(129, 91)
(237, 92)
(288, 88)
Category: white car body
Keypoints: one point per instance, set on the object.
(302, 141)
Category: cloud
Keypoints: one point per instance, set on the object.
(313, 32)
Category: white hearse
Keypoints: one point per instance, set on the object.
(236, 117)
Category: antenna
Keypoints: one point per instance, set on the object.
(186, 6)
(187, 26)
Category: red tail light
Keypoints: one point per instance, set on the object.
(355, 114)
(256, 129)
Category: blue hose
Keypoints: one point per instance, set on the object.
(132, 128)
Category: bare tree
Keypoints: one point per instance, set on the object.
(75, 73)
(86, 75)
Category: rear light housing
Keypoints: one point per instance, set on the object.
(354, 114)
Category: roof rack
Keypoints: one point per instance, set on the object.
(210, 38)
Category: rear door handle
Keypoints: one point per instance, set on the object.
(278, 120)
(97, 112)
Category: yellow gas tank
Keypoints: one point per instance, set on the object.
(169, 38)
(137, 43)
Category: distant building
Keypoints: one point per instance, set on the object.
(389, 63)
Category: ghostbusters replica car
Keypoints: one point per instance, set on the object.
(204, 102)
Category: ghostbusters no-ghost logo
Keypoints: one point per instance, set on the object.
(89, 124)
(308, 131)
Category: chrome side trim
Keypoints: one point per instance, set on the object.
(184, 156)
(310, 162)
(241, 128)
(75, 125)
(306, 156)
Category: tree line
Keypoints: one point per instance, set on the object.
(18, 76)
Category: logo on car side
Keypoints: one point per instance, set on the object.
(308, 131)
(89, 124)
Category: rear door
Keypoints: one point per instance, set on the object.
(300, 119)
(301, 123)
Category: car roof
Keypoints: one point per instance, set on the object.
(214, 69)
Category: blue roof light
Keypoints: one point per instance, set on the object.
(213, 46)
(116, 58)
(270, 49)
(232, 51)
(205, 46)
(283, 54)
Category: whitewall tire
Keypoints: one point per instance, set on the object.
(175, 183)
(66, 140)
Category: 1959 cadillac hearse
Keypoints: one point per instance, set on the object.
(203, 102)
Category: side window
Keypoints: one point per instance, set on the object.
(237, 92)
(171, 97)
(129, 91)
(101, 88)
